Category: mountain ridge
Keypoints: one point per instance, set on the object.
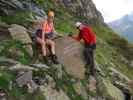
(124, 26)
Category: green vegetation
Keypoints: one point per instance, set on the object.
(66, 85)
(20, 17)
(110, 50)
(10, 48)
(65, 26)
(123, 47)
(5, 78)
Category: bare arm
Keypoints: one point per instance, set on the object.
(43, 30)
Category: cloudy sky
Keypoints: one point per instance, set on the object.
(114, 9)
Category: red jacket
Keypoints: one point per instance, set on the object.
(87, 35)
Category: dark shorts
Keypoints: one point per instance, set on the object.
(93, 47)
(47, 35)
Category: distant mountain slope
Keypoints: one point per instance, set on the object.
(124, 26)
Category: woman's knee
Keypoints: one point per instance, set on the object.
(50, 42)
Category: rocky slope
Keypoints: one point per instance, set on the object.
(85, 8)
(10, 7)
(23, 75)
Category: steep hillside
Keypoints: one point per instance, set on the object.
(23, 77)
(124, 26)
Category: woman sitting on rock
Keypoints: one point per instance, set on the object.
(44, 37)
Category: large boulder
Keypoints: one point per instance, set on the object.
(24, 78)
(70, 54)
(19, 33)
(108, 90)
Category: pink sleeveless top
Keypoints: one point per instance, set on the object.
(47, 27)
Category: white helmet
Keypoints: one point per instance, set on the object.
(77, 24)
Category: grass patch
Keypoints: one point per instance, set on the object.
(11, 45)
(20, 17)
(5, 78)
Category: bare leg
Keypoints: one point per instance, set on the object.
(43, 45)
(52, 44)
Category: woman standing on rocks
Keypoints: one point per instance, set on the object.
(44, 37)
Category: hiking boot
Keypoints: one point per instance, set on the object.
(54, 59)
(46, 61)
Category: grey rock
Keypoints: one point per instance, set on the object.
(11, 6)
(43, 66)
(108, 90)
(32, 86)
(24, 78)
(19, 33)
(7, 60)
(70, 54)
(118, 74)
(20, 67)
(123, 87)
(99, 70)
(85, 8)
